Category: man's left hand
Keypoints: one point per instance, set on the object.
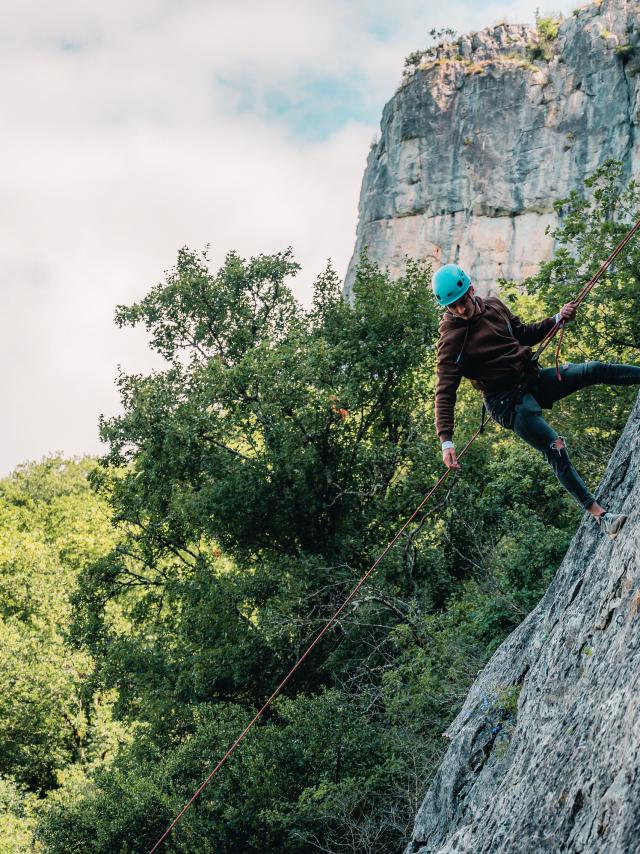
(568, 311)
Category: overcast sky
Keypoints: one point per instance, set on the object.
(133, 128)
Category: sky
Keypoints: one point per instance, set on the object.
(130, 129)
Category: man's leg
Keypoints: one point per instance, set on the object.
(531, 426)
(576, 376)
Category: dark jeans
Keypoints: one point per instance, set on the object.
(521, 411)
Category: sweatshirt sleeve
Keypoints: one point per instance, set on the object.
(448, 376)
(530, 333)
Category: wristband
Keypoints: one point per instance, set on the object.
(447, 445)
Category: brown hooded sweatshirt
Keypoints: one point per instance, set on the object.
(491, 350)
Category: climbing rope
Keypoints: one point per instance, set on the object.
(543, 345)
(316, 640)
(586, 290)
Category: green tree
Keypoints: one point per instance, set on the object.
(278, 438)
(51, 522)
(16, 818)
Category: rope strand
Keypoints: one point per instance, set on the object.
(586, 290)
(316, 640)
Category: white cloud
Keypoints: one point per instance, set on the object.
(120, 145)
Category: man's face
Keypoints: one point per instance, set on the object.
(465, 306)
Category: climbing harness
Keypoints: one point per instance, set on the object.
(543, 345)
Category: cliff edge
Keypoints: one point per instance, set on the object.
(486, 132)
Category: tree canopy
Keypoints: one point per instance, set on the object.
(246, 487)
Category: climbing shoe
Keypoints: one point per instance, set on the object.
(611, 524)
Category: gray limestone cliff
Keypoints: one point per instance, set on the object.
(545, 753)
(486, 132)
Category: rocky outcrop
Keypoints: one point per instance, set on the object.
(545, 754)
(486, 132)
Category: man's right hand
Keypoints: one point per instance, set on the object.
(449, 459)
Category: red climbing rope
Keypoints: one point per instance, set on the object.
(316, 640)
(543, 345)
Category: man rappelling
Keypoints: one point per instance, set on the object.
(480, 339)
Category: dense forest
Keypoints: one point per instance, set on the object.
(152, 599)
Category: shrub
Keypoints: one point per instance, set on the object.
(624, 51)
(548, 29)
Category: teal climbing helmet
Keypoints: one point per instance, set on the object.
(450, 283)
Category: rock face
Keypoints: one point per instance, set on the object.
(545, 754)
(487, 132)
